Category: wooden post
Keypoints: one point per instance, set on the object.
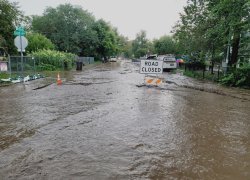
(203, 74)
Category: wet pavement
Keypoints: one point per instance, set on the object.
(103, 123)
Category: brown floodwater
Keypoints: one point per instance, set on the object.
(103, 123)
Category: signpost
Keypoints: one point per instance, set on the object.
(19, 31)
(151, 66)
(20, 42)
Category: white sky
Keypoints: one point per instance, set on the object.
(156, 17)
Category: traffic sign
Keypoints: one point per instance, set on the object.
(153, 81)
(21, 43)
(19, 31)
(151, 66)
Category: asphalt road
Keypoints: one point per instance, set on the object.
(104, 123)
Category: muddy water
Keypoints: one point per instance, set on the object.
(101, 125)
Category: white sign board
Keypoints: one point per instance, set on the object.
(21, 42)
(151, 66)
(3, 66)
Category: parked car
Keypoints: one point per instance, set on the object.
(169, 61)
(153, 56)
(113, 59)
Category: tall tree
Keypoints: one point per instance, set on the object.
(234, 19)
(165, 45)
(107, 39)
(9, 18)
(140, 46)
(209, 26)
(68, 27)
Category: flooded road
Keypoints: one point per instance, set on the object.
(102, 123)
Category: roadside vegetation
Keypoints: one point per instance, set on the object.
(66, 31)
(217, 32)
(53, 60)
(238, 77)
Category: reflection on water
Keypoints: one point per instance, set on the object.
(111, 129)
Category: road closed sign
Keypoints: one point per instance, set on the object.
(151, 66)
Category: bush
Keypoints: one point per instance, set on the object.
(46, 67)
(4, 75)
(239, 77)
(53, 59)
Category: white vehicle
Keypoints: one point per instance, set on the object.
(169, 61)
(113, 59)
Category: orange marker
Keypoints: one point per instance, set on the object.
(59, 81)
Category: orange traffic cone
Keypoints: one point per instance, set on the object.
(59, 81)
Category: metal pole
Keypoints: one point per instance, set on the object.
(21, 55)
(34, 65)
(9, 66)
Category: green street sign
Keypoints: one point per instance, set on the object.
(19, 31)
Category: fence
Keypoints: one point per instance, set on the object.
(85, 60)
(15, 67)
(205, 72)
(30, 65)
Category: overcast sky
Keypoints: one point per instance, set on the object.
(156, 17)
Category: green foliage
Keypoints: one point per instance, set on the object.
(4, 75)
(128, 50)
(67, 26)
(75, 30)
(239, 77)
(52, 60)
(38, 42)
(199, 75)
(46, 67)
(124, 46)
(9, 15)
(165, 45)
(207, 26)
(141, 45)
(106, 44)
(190, 74)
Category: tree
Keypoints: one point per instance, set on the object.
(107, 39)
(74, 30)
(235, 15)
(210, 26)
(127, 50)
(9, 18)
(140, 46)
(189, 31)
(38, 42)
(125, 47)
(165, 45)
(68, 27)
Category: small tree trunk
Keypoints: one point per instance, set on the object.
(212, 67)
(235, 49)
(212, 60)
